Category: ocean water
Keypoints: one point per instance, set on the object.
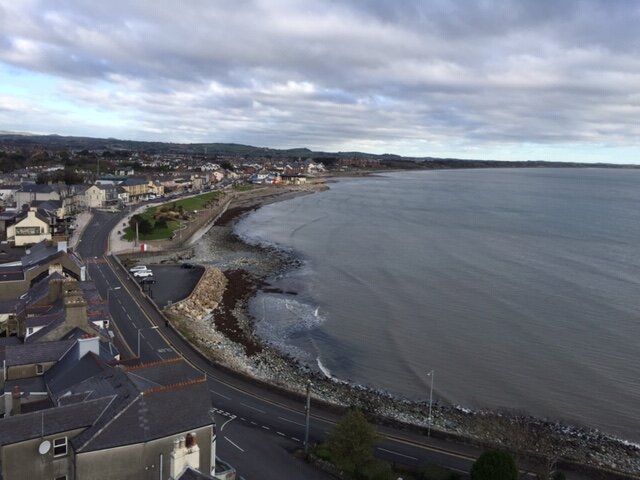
(520, 288)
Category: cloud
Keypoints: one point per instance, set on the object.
(412, 75)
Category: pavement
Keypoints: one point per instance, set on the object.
(82, 220)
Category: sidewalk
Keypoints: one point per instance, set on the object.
(82, 221)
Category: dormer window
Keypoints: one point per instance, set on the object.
(59, 447)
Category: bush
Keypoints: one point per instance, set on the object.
(161, 224)
(494, 465)
(375, 469)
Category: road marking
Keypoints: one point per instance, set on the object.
(230, 420)
(227, 439)
(265, 427)
(291, 421)
(252, 408)
(254, 423)
(295, 439)
(397, 453)
(243, 419)
(221, 395)
(281, 434)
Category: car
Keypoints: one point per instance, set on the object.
(143, 274)
(147, 280)
(138, 268)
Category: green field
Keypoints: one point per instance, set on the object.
(188, 204)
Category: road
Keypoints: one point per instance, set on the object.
(258, 427)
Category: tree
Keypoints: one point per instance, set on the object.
(494, 465)
(351, 442)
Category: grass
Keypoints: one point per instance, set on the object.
(188, 204)
(243, 188)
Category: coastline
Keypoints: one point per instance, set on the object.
(227, 336)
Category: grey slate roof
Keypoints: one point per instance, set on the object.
(11, 274)
(36, 188)
(133, 181)
(166, 373)
(30, 385)
(36, 352)
(70, 371)
(152, 415)
(51, 421)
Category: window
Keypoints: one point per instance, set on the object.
(39, 369)
(59, 447)
(63, 477)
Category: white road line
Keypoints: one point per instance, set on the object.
(295, 439)
(252, 408)
(219, 394)
(223, 425)
(291, 421)
(243, 419)
(281, 434)
(227, 439)
(265, 427)
(254, 423)
(397, 453)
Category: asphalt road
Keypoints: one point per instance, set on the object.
(257, 426)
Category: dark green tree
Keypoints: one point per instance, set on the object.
(352, 441)
(494, 465)
(145, 226)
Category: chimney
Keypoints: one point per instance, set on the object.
(16, 401)
(55, 290)
(186, 453)
(88, 343)
(62, 247)
(75, 308)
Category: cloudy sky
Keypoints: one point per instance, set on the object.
(529, 79)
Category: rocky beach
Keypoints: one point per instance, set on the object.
(216, 319)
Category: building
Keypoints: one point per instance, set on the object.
(32, 229)
(16, 278)
(35, 192)
(101, 195)
(137, 188)
(72, 414)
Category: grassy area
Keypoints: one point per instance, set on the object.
(244, 187)
(151, 214)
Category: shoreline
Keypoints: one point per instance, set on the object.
(228, 337)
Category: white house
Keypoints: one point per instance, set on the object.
(34, 228)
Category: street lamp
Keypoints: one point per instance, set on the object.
(155, 327)
(431, 374)
(109, 290)
(307, 414)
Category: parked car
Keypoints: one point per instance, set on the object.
(143, 274)
(138, 268)
(147, 280)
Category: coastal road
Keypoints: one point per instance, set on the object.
(258, 426)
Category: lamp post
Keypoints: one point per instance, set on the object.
(307, 414)
(155, 327)
(431, 374)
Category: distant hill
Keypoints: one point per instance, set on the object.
(58, 143)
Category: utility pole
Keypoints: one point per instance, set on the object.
(307, 414)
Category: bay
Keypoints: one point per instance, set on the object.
(519, 287)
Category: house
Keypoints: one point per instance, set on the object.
(31, 192)
(72, 414)
(33, 228)
(6, 220)
(101, 195)
(137, 188)
(41, 260)
(7, 194)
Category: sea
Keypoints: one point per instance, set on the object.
(518, 288)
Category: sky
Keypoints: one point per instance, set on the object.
(507, 80)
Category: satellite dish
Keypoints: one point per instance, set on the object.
(44, 447)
